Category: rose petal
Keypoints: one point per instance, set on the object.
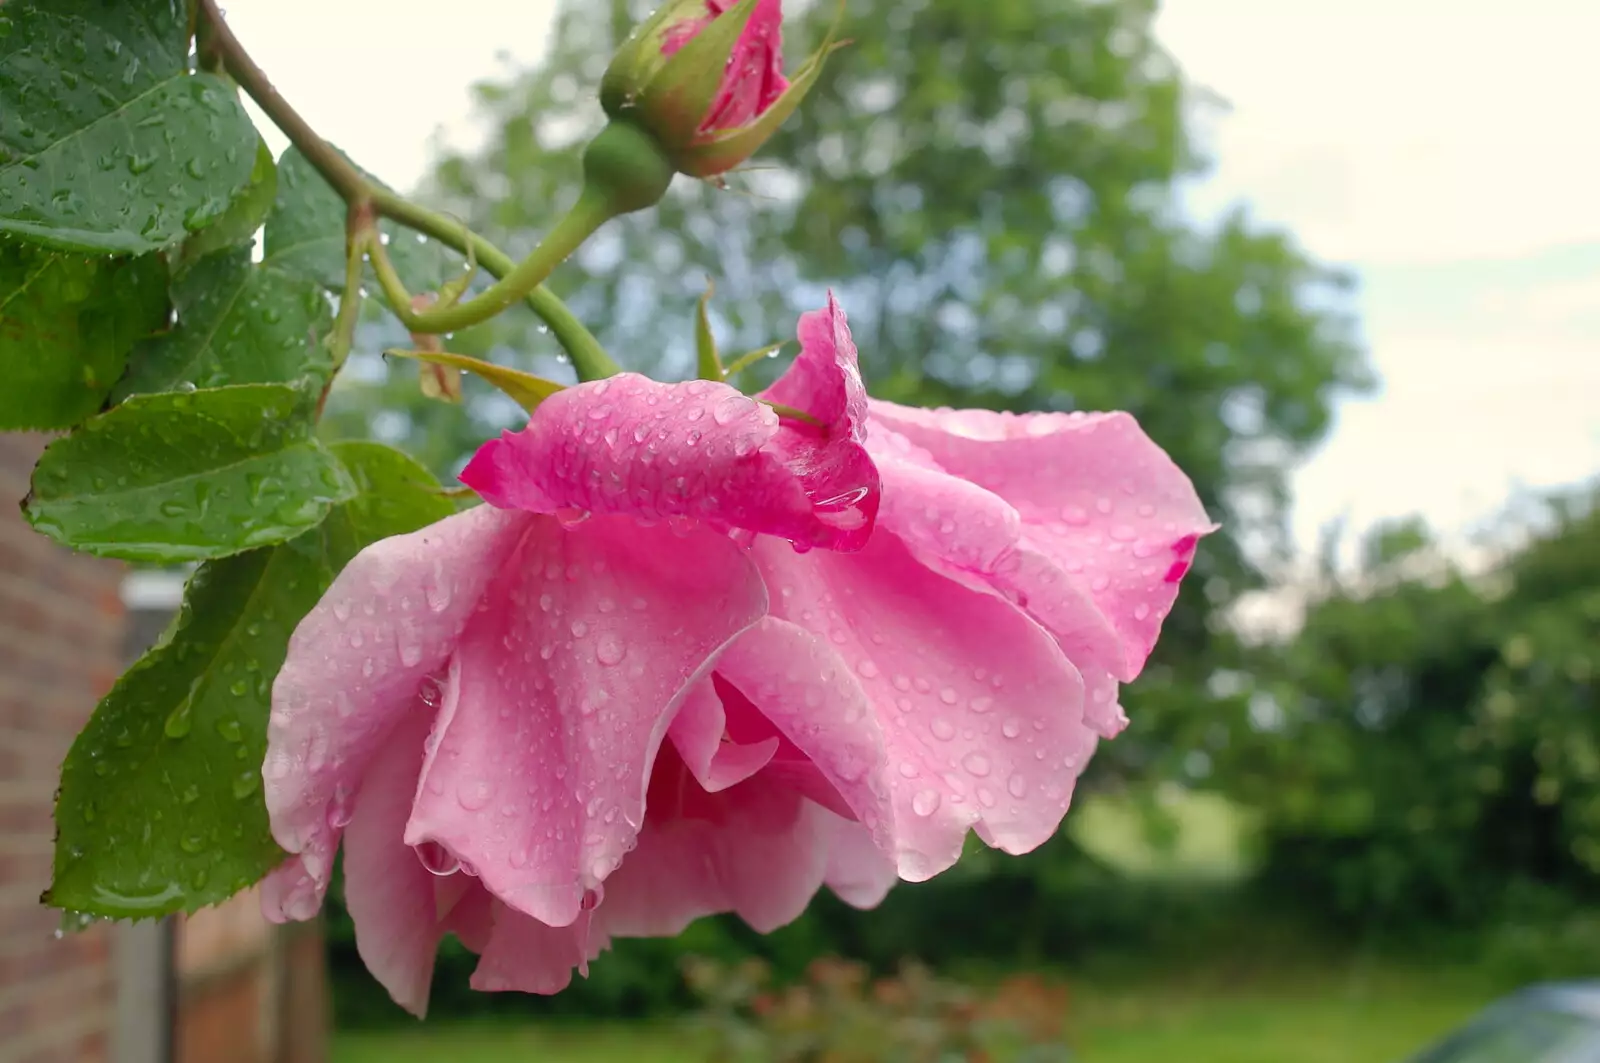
(858, 871)
(1098, 499)
(981, 712)
(390, 896)
(699, 733)
(804, 692)
(630, 445)
(570, 676)
(353, 669)
(524, 955)
(757, 850)
(830, 459)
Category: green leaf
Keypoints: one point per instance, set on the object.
(394, 494)
(160, 807)
(188, 476)
(238, 323)
(244, 216)
(107, 142)
(306, 234)
(67, 324)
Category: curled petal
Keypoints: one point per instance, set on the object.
(757, 850)
(785, 679)
(354, 668)
(569, 677)
(699, 734)
(1101, 505)
(698, 449)
(980, 711)
(824, 381)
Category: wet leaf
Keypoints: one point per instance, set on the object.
(238, 323)
(188, 476)
(244, 216)
(108, 143)
(160, 808)
(67, 324)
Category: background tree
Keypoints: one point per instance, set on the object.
(1425, 749)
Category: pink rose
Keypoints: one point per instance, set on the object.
(617, 699)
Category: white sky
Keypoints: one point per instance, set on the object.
(1442, 149)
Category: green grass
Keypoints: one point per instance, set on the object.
(1342, 1014)
(443, 1043)
(1349, 1012)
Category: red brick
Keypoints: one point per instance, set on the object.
(61, 633)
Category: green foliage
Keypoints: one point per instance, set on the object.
(67, 323)
(160, 806)
(238, 323)
(108, 141)
(188, 476)
(1426, 747)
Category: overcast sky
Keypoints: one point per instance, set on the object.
(1442, 149)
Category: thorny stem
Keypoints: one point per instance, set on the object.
(358, 191)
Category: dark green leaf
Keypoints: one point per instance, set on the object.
(107, 142)
(238, 323)
(188, 476)
(160, 808)
(66, 325)
(306, 234)
(244, 216)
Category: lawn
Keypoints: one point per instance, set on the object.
(1343, 1013)
(1243, 1007)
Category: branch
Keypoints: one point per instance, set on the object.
(358, 191)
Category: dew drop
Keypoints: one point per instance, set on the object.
(926, 802)
(436, 859)
(611, 649)
(474, 794)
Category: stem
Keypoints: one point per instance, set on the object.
(358, 233)
(588, 357)
(587, 214)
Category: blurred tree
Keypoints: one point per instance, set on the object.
(994, 192)
(1426, 747)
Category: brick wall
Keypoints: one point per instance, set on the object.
(246, 992)
(61, 647)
